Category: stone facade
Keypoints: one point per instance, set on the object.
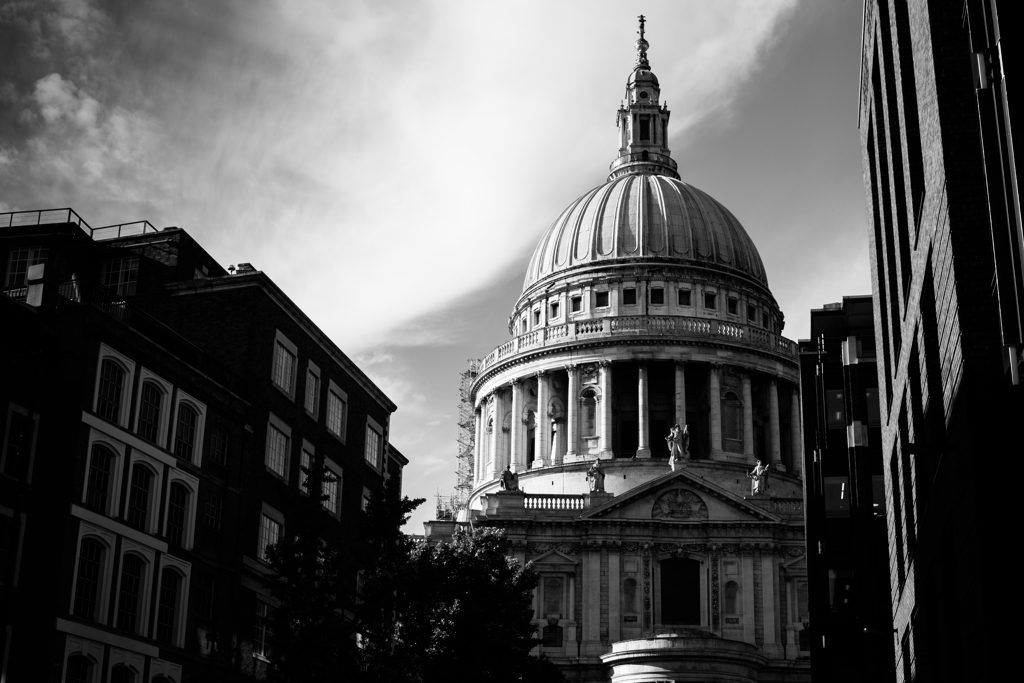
(645, 306)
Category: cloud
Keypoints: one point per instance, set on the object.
(375, 357)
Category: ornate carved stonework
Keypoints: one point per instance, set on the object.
(714, 589)
(647, 587)
(679, 504)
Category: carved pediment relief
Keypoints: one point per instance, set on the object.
(679, 504)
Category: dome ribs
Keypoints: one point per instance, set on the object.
(604, 240)
(681, 238)
(585, 248)
(629, 218)
(654, 208)
(561, 236)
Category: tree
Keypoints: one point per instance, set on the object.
(462, 609)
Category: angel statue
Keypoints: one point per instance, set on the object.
(758, 478)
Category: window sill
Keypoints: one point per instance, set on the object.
(341, 439)
(291, 396)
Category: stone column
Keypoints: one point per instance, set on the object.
(493, 467)
(606, 409)
(773, 415)
(715, 399)
(516, 431)
(570, 631)
(680, 394)
(572, 405)
(747, 595)
(795, 432)
(748, 418)
(478, 446)
(643, 438)
(542, 432)
(614, 598)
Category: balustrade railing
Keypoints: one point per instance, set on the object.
(679, 327)
(553, 501)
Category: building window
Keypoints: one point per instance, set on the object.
(206, 592)
(313, 390)
(87, 584)
(601, 299)
(277, 450)
(552, 598)
(219, 445)
(629, 296)
(270, 533)
(167, 609)
(684, 297)
(576, 304)
(337, 411)
(629, 596)
(111, 394)
(130, 592)
(553, 634)
(139, 495)
(120, 275)
(657, 296)
(284, 364)
(680, 591)
(20, 260)
(17, 454)
(149, 412)
(837, 496)
(122, 674)
(213, 511)
(709, 301)
(732, 306)
(835, 408)
(554, 310)
(305, 469)
(185, 432)
(588, 403)
(261, 633)
(373, 442)
(536, 318)
(332, 489)
(97, 492)
(752, 313)
(730, 604)
(732, 416)
(177, 514)
(79, 669)
(366, 499)
(645, 128)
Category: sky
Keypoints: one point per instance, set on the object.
(391, 164)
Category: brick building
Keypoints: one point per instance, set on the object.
(944, 213)
(157, 412)
(848, 563)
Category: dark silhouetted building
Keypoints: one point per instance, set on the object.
(940, 176)
(157, 412)
(849, 636)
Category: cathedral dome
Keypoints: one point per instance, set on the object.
(645, 217)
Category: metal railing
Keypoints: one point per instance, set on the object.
(671, 327)
(20, 219)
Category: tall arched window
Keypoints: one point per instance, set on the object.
(170, 586)
(177, 514)
(130, 592)
(730, 605)
(108, 403)
(185, 434)
(87, 585)
(79, 669)
(138, 496)
(588, 412)
(122, 674)
(97, 492)
(680, 591)
(149, 411)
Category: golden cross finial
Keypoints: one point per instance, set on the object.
(643, 20)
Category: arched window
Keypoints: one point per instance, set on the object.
(185, 434)
(97, 492)
(731, 593)
(108, 403)
(122, 674)
(588, 405)
(138, 496)
(177, 514)
(644, 156)
(87, 585)
(130, 592)
(149, 411)
(680, 591)
(219, 445)
(170, 586)
(629, 596)
(79, 669)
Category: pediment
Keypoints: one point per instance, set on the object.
(680, 497)
(797, 563)
(553, 561)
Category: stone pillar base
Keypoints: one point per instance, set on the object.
(595, 498)
(778, 467)
(539, 462)
(643, 452)
(606, 455)
(571, 456)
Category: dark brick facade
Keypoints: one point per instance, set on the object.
(210, 336)
(940, 183)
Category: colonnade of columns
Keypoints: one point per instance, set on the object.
(492, 457)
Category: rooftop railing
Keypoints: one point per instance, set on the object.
(669, 327)
(20, 219)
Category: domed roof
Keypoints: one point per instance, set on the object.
(645, 217)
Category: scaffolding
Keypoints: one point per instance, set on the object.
(448, 507)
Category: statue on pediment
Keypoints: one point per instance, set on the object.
(678, 441)
(595, 475)
(509, 479)
(758, 478)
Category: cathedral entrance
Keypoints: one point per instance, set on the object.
(680, 592)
